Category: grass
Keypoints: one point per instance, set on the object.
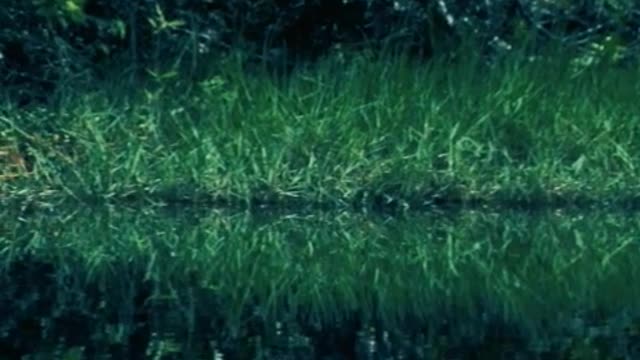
(354, 130)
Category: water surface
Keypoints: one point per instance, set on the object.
(123, 283)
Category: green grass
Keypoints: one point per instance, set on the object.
(352, 130)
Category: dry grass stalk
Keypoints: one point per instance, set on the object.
(12, 163)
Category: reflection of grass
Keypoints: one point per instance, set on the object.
(523, 275)
(365, 132)
(325, 266)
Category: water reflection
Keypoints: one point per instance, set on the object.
(189, 283)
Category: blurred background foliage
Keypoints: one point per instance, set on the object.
(45, 44)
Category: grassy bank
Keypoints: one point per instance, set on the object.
(353, 130)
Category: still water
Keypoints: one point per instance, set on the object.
(122, 283)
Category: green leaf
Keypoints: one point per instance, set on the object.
(74, 11)
(119, 29)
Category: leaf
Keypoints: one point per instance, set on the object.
(119, 29)
(74, 11)
(174, 24)
(578, 164)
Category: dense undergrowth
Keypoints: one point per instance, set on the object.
(354, 129)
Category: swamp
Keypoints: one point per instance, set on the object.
(336, 179)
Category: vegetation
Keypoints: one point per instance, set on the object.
(355, 129)
(51, 44)
(321, 107)
(399, 104)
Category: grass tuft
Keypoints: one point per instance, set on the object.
(351, 130)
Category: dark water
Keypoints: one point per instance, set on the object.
(119, 283)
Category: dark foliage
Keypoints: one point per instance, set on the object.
(49, 42)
